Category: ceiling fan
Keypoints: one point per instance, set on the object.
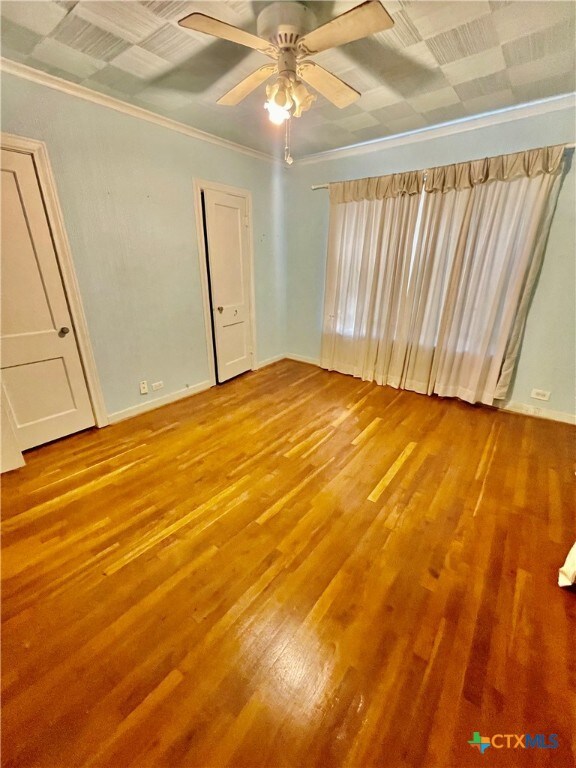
(288, 35)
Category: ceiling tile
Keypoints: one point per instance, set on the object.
(445, 114)
(483, 86)
(403, 33)
(52, 69)
(415, 56)
(160, 97)
(518, 19)
(378, 98)
(119, 80)
(88, 39)
(168, 9)
(356, 122)
(172, 44)
(127, 20)
(545, 88)
(404, 124)
(482, 104)
(433, 100)
(17, 39)
(40, 17)
(368, 134)
(394, 112)
(63, 57)
(433, 18)
(479, 65)
(496, 5)
(235, 11)
(462, 41)
(334, 133)
(419, 83)
(533, 71)
(362, 80)
(334, 58)
(141, 63)
(538, 45)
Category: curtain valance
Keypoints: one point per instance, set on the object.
(530, 163)
(377, 187)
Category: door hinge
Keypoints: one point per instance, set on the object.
(246, 222)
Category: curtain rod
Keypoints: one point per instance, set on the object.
(325, 186)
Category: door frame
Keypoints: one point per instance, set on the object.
(39, 154)
(201, 185)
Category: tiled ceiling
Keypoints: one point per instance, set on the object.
(440, 62)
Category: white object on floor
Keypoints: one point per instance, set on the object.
(567, 574)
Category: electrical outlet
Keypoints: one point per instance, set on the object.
(540, 394)
(157, 385)
(143, 387)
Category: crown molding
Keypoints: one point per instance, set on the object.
(472, 123)
(80, 91)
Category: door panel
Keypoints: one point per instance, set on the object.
(42, 375)
(30, 400)
(230, 280)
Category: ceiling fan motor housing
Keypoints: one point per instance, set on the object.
(283, 23)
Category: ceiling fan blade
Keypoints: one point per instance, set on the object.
(362, 21)
(235, 95)
(330, 86)
(210, 26)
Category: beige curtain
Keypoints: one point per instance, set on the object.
(501, 229)
(428, 288)
(370, 246)
(439, 239)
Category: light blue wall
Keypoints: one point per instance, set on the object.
(547, 359)
(126, 190)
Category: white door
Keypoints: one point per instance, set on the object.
(42, 377)
(230, 281)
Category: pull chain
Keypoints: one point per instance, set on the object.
(288, 159)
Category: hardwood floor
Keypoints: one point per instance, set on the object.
(294, 569)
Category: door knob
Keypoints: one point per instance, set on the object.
(63, 331)
(220, 309)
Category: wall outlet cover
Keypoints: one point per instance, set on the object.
(540, 394)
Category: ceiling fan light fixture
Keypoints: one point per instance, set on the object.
(279, 102)
(287, 97)
(276, 114)
(279, 93)
(302, 98)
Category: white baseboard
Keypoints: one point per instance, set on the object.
(302, 359)
(150, 405)
(268, 361)
(277, 358)
(540, 413)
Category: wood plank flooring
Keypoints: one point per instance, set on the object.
(296, 569)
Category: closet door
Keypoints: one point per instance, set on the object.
(42, 376)
(230, 281)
